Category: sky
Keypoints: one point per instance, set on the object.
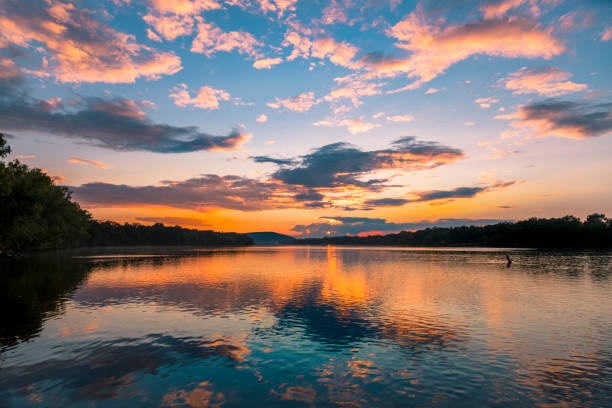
(313, 118)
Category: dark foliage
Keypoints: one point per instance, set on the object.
(108, 233)
(565, 232)
(37, 214)
(34, 212)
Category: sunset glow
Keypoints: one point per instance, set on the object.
(313, 118)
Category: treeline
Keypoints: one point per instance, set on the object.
(565, 232)
(36, 214)
(108, 233)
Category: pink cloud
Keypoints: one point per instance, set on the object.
(301, 45)
(400, 118)
(352, 87)
(207, 97)
(354, 126)
(211, 39)
(170, 26)
(266, 63)
(300, 103)
(80, 48)
(501, 7)
(548, 81)
(486, 102)
(339, 53)
(606, 35)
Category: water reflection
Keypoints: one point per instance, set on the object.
(307, 326)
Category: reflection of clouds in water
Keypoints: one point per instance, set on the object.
(108, 370)
(198, 397)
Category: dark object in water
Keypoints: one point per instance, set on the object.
(509, 260)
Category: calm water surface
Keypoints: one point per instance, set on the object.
(294, 327)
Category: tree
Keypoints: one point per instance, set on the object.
(34, 212)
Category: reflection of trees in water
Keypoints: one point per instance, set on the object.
(33, 290)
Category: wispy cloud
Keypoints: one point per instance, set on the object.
(299, 103)
(547, 81)
(574, 120)
(95, 163)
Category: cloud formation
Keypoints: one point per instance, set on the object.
(547, 81)
(573, 120)
(212, 39)
(299, 103)
(202, 193)
(114, 123)
(342, 164)
(341, 226)
(435, 46)
(77, 47)
(434, 195)
(207, 97)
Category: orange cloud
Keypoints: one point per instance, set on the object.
(207, 97)
(352, 87)
(400, 118)
(95, 163)
(434, 47)
(80, 48)
(486, 102)
(548, 81)
(606, 35)
(500, 8)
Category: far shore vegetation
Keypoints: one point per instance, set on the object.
(565, 232)
(36, 214)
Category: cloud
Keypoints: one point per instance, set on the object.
(95, 163)
(547, 81)
(115, 123)
(169, 27)
(262, 118)
(342, 164)
(207, 97)
(183, 7)
(432, 91)
(352, 87)
(280, 7)
(606, 34)
(469, 123)
(341, 226)
(79, 48)
(268, 159)
(574, 120)
(486, 102)
(354, 126)
(499, 8)
(434, 47)
(333, 13)
(300, 103)
(202, 193)
(400, 118)
(339, 53)
(266, 63)
(301, 45)
(434, 195)
(211, 39)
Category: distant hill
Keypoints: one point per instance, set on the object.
(270, 238)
